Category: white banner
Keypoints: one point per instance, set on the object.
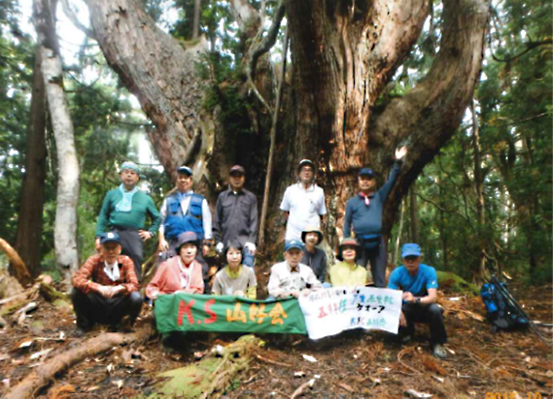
(333, 310)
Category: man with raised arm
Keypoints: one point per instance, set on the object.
(364, 218)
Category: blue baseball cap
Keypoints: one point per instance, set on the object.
(366, 172)
(410, 250)
(110, 237)
(184, 169)
(291, 244)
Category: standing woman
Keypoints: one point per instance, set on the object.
(181, 273)
(235, 279)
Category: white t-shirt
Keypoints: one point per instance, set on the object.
(305, 207)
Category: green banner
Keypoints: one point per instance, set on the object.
(225, 313)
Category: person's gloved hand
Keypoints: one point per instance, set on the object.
(219, 247)
(251, 247)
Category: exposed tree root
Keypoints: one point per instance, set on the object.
(21, 272)
(44, 374)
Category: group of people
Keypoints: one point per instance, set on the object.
(106, 287)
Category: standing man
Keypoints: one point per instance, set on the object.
(105, 288)
(303, 203)
(419, 284)
(183, 211)
(364, 216)
(314, 257)
(124, 212)
(236, 216)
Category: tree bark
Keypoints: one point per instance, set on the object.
(343, 54)
(413, 208)
(20, 269)
(162, 74)
(196, 22)
(39, 378)
(65, 230)
(29, 224)
(478, 187)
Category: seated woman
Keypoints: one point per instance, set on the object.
(347, 273)
(181, 273)
(234, 279)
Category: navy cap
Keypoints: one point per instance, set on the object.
(184, 169)
(410, 250)
(110, 237)
(366, 172)
(291, 244)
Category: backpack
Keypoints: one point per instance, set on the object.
(502, 313)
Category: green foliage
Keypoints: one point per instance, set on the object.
(514, 114)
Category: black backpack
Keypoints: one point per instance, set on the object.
(502, 310)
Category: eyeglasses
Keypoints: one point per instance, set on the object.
(411, 258)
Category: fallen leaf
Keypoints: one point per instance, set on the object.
(346, 387)
(38, 355)
(92, 389)
(439, 379)
(109, 368)
(419, 395)
(299, 374)
(118, 383)
(25, 344)
(309, 358)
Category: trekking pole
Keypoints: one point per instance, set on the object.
(519, 309)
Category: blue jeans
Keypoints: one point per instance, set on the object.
(247, 257)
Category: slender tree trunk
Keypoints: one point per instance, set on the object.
(196, 25)
(399, 232)
(65, 230)
(478, 185)
(441, 225)
(413, 208)
(29, 225)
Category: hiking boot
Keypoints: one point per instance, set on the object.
(439, 351)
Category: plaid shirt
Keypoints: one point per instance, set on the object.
(91, 276)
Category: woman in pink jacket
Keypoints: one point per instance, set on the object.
(181, 273)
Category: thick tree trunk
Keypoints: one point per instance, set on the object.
(29, 225)
(343, 54)
(162, 74)
(65, 230)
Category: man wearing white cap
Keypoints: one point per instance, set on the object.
(124, 211)
(303, 203)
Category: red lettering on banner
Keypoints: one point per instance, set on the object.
(185, 309)
(322, 312)
(211, 313)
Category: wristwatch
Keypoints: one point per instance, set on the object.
(418, 300)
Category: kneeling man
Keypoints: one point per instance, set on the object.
(291, 277)
(419, 284)
(106, 288)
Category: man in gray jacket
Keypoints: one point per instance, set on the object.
(236, 216)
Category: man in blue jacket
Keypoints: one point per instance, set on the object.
(419, 284)
(364, 217)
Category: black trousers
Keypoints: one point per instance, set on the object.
(131, 245)
(378, 259)
(93, 308)
(425, 313)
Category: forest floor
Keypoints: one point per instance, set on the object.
(354, 364)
